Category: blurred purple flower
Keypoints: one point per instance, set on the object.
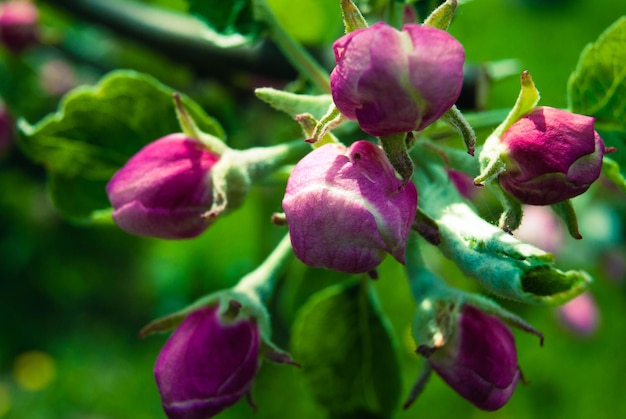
(18, 25)
(346, 208)
(464, 183)
(394, 81)
(541, 228)
(580, 315)
(480, 360)
(551, 155)
(207, 364)
(164, 190)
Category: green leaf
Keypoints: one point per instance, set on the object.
(347, 353)
(228, 18)
(96, 130)
(598, 88)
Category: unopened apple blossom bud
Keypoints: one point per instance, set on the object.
(551, 155)
(394, 81)
(479, 361)
(346, 208)
(164, 190)
(18, 25)
(207, 364)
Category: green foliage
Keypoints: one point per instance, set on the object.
(96, 130)
(228, 17)
(347, 352)
(598, 88)
(309, 22)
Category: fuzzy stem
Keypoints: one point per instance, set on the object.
(261, 161)
(262, 280)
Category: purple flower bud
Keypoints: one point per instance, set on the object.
(164, 190)
(480, 360)
(207, 364)
(394, 81)
(18, 25)
(346, 207)
(551, 155)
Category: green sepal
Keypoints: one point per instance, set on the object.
(565, 211)
(396, 149)
(96, 130)
(491, 157)
(352, 17)
(308, 124)
(442, 16)
(455, 118)
(347, 352)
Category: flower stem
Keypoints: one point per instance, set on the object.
(261, 282)
(261, 161)
(294, 52)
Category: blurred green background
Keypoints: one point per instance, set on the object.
(72, 298)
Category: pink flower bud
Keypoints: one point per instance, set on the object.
(164, 189)
(551, 155)
(207, 364)
(394, 81)
(480, 360)
(18, 25)
(346, 208)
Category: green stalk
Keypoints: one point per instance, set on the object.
(295, 53)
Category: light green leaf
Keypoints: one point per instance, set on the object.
(96, 130)
(598, 88)
(347, 353)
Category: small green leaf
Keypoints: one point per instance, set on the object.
(228, 18)
(96, 130)
(347, 353)
(598, 88)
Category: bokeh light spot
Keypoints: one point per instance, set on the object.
(34, 370)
